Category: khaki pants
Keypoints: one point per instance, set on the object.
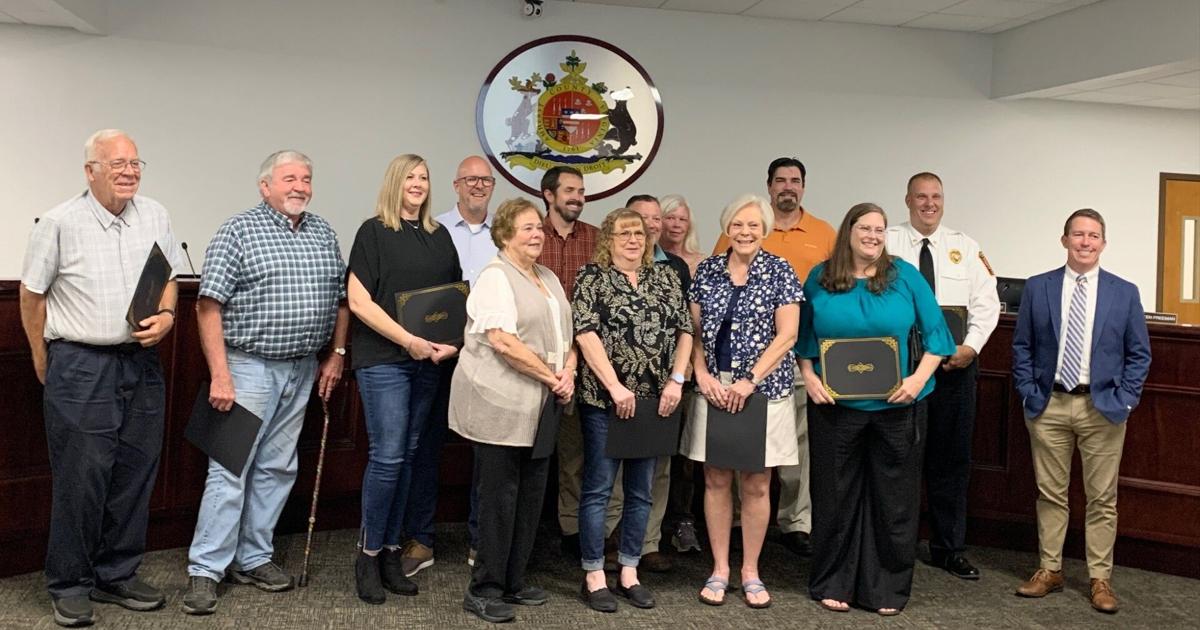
(1069, 421)
(795, 504)
(570, 478)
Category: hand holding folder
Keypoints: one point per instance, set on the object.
(225, 436)
(646, 434)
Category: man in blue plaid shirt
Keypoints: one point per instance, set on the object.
(272, 293)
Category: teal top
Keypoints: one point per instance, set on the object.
(860, 313)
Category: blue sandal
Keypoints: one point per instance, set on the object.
(754, 587)
(716, 585)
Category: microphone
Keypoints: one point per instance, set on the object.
(183, 244)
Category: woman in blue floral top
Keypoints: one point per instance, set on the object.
(746, 305)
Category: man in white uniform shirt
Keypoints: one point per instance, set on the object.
(960, 276)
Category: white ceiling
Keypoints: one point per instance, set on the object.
(983, 16)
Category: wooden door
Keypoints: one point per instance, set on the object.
(1179, 246)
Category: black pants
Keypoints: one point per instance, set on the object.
(865, 480)
(511, 489)
(103, 408)
(948, 458)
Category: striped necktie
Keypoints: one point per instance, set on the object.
(1073, 353)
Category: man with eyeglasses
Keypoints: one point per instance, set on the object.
(104, 396)
(470, 225)
(803, 240)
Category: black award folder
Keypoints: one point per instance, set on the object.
(225, 436)
(866, 368)
(153, 281)
(646, 434)
(956, 321)
(738, 441)
(438, 313)
(546, 438)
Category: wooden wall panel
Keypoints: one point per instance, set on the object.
(1159, 487)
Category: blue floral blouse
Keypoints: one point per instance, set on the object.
(770, 284)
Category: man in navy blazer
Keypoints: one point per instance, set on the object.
(1081, 353)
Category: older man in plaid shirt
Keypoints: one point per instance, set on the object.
(272, 293)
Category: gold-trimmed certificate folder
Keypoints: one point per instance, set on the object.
(438, 314)
(860, 369)
(956, 321)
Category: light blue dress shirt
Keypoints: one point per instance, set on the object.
(474, 243)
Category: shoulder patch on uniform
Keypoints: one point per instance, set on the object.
(986, 264)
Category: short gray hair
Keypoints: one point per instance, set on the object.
(89, 146)
(282, 157)
(758, 201)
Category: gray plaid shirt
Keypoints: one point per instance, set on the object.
(279, 288)
(87, 262)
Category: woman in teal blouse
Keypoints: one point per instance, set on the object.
(866, 454)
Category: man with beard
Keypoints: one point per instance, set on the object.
(960, 276)
(803, 240)
(569, 245)
(272, 295)
(470, 225)
(104, 397)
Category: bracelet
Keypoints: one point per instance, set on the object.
(166, 310)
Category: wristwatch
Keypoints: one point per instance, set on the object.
(754, 380)
(341, 352)
(677, 377)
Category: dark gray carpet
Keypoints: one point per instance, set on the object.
(1149, 600)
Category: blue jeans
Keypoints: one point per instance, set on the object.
(599, 472)
(423, 489)
(238, 512)
(396, 400)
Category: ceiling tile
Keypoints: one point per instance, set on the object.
(1005, 25)
(1154, 90)
(1173, 103)
(911, 5)
(955, 22)
(1100, 97)
(6, 18)
(1187, 79)
(996, 8)
(797, 9)
(884, 17)
(648, 4)
(710, 6)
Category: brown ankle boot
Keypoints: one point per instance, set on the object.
(1103, 597)
(1043, 582)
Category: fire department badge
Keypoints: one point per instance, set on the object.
(569, 101)
(955, 256)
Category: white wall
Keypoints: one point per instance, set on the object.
(209, 88)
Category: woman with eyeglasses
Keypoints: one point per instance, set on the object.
(635, 336)
(866, 454)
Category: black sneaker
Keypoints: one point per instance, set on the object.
(684, 537)
(72, 612)
(489, 609)
(391, 573)
(528, 596)
(201, 596)
(366, 579)
(268, 577)
(133, 594)
(798, 543)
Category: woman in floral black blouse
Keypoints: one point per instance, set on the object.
(635, 333)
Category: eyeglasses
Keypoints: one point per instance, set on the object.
(119, 165)
(475, 180)
(630, 234)
(866, 229)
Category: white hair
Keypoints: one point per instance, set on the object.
(669, 203)
(758, 201)
(89, 146)
(285, 156)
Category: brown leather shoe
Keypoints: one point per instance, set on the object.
(1103, 597)
(1043, 582)
(656, 562)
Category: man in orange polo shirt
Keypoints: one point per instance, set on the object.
(803, 240)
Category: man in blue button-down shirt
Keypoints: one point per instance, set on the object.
(272, 293)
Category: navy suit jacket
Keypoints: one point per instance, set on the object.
(1120, 356)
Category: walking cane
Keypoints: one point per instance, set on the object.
(312, 512)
